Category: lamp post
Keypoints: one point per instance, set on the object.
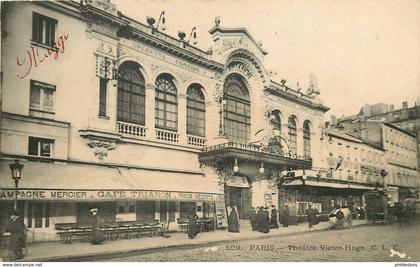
(16, 169)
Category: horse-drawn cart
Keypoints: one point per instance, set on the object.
(376, 206)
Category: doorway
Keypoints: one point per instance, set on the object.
(241, 198)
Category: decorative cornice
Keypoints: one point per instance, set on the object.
(197, 57)
(45, 121)
(296, 99)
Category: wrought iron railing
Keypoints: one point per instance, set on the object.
(255, 148)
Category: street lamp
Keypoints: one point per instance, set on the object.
(16, 169)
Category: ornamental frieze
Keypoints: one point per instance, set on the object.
(227, 44)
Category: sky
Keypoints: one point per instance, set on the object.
(361, 51)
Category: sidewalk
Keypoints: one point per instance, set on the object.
(57, 251)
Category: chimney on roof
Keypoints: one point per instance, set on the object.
(366, 109)
(391, 108)
(405, 104)
(333, 120)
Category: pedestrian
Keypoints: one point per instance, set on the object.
(233, 221)
(264, 225)
(192, 224)
(274, 221)
(258, 218)
(17, 229)
(312, 218)
(286, 215)
(399, 213)
(96, 237)
(253, 219)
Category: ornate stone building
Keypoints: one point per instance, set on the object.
(107, 112)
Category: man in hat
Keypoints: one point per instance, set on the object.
(253, 219)
(16, 228)
(97, 237)
(311, 213)
(273, 221)
(286, 214)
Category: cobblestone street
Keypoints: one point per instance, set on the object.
(366, 243)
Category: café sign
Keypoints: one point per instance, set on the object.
(89, 195)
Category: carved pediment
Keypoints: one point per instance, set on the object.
(227, 40)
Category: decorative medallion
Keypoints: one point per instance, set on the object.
(100, 146)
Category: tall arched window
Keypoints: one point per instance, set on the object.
(166, 103)
(292, 135)
(131, 94)
(275, 120)
(306, 139)
(196, 111)
(237, 117)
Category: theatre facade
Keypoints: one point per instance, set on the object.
(111, 113)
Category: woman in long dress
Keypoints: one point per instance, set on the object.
(97, 237)
(192, 224)
(233, 221)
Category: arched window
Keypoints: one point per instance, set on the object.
(275, 120)
(196, 111)
(166, 103)
(292, 135)
(237, 117)
(306, 139)
(131, 94)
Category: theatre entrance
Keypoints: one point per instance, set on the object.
(241, 199)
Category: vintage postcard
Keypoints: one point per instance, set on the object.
(210, 131)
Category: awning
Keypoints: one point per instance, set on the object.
(330, 185)
(84, 182)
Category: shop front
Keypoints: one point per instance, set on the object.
(323, 194)
(120, 194)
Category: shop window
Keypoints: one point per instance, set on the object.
(40, 147)
(145, 211)
(196, 111)
(30, 215)
(41, 96)
(43, 29)
(185, 208)
(38, 215)
(126, 211)
(131, 94)
(166, 103)
(167, 211)
(237, 115)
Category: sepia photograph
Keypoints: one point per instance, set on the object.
(244, 131)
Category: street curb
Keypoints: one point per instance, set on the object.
(110, 254)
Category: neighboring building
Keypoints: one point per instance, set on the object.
(406, 118)
(348, 168)
(400, 153)
(107, 112)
